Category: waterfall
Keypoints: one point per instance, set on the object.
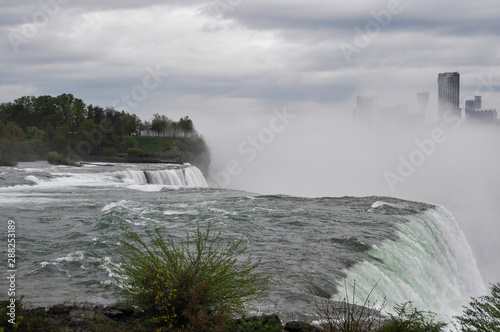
(189, 176)
(431, 264)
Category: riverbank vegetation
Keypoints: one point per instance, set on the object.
(197, 285)
(31, 127)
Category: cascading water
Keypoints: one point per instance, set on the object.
(194, 177)
(189, 176)
(430, 264)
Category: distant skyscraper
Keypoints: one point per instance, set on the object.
(366, 109)
(472, 105)
(469, 107)
(477, 102)
(423, 100)
(448, 93)
(483, 115)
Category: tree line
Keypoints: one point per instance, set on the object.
(32, 126)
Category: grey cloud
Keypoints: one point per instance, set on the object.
(298, 58)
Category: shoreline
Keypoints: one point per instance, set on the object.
(85, 316)
(125, 160)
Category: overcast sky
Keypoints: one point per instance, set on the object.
(228, 63)
(246, 56)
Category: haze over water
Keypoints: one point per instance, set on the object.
(322, 154)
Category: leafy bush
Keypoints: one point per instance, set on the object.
(173, 154)
(195, 285)
(128, 142)
(270, 323)
(483, 313)
(109, 152)
(58, 159)
(409, 319)
(7, 161)
(6, 320)
(138, 152)
(347, 316)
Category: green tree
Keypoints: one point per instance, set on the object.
(89, 138)
(72, 110)
(23, 112)
(131, 123)
(4, 159)
(96, 113)
(13, 132)
(37, 141)
(186, 126)
(147, 127)
(47, 114)
(158, 124)
(128, 142)
(61, 140)
(483, 313)
(11, 147)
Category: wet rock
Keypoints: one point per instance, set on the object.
(117, 313)
(61, 309)
(300, 327)
(270, 320)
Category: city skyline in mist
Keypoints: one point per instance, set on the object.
(239, 56)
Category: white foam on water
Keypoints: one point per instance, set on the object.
(380, 203)
(32, 178)
(172, 212)
(76, 256)
(121, 204)
(152, 187)
(431, 264)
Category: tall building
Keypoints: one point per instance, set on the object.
(471, 105)
(423, 100)
(477, 102)
(483, 115)
(366, 110)
(449, 94)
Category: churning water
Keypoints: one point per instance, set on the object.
(313, 248)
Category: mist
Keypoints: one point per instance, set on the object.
(321, 152)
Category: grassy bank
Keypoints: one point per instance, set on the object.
(192, 150)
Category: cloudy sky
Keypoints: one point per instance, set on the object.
(246, 56)
(229, 63)
(226, 63)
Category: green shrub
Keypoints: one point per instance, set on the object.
(55, 158)
(483, 313)
(6, 320)
(409, 319)
(256, 324)
(109, 152)
(128, 142)
(195, 285)
(138, 152)
(347, 316)
(6, 161)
